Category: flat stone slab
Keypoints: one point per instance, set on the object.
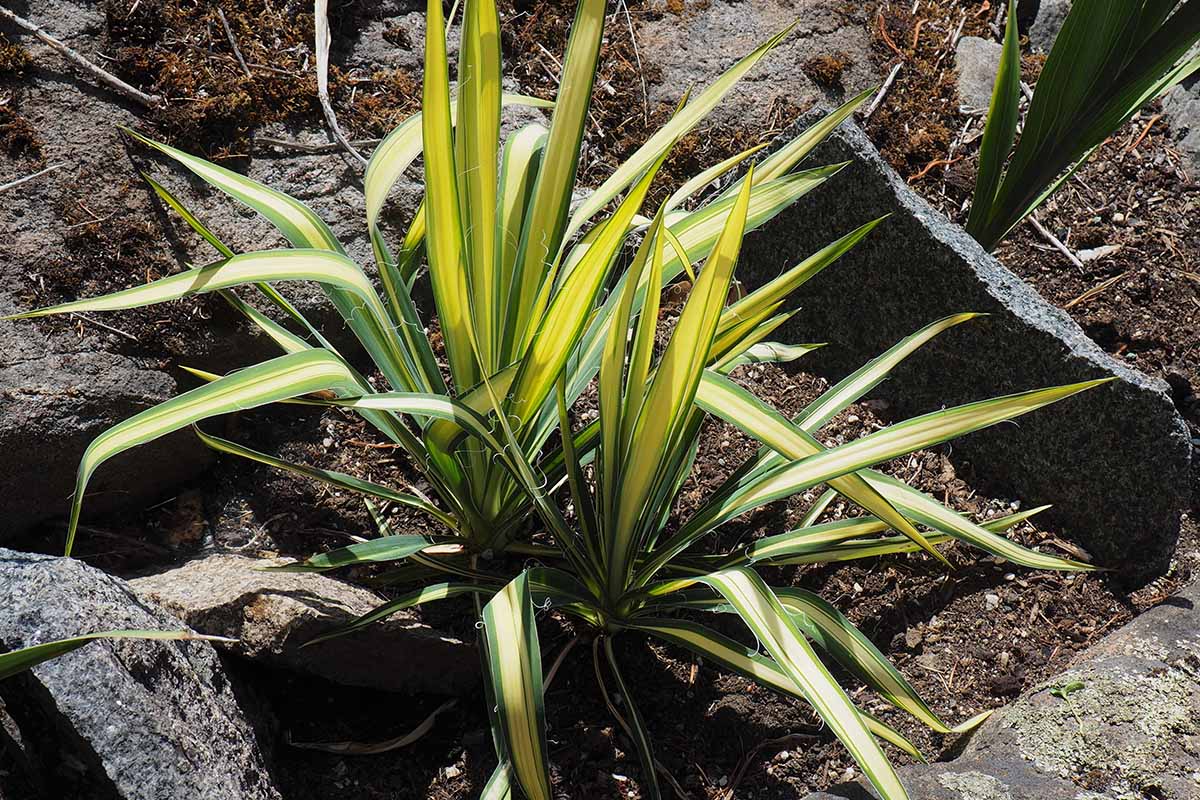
(272, 614)
(692, 46)
(1122, 724)
(1114, 461)
(128, 719)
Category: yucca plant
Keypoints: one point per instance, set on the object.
(1110, 59)
(518, 277)
(616, 565)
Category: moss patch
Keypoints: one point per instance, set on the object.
(180, 50)
(826, 69)
(13, 57)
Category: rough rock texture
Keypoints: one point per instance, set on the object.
(119, 719)
(1128, 727)
(1182, 108)
(1114, 460)
(1051, 14)
(694, 46)
(273, 613)
(976, 61)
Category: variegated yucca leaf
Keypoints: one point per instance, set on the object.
(514, 662)
(775, 629)
(723, 398)
(278, 379)
(338, 479)
(897, 440)
(17, 661)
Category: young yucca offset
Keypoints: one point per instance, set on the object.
(1110, 59)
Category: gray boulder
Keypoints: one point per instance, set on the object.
(1122, 724)
(272, 614)
(1051, 14)
(1114, 461)
(977, 61)
(126, 719)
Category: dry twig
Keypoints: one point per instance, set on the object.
(233, 42)
(1045, 233)
(12, 184)
(321, 26)
(362, 749)
(1095, 290)
(105, 77)
(883, 90)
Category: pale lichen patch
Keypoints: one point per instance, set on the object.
(974, 785)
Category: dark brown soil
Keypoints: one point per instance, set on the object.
(940, 628)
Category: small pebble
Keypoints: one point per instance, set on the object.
(992, 601)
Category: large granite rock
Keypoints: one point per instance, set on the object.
(1113, 461)
(1122, 724)
(272, 614)
(127, 719)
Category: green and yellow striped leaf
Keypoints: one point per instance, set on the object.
(833, 633)
(854, 386)
(897, 440)
(372, 551)
(269, 382)
(448, 269)
(775, 629)
(17, 661)
(331, 477)
(683, 121)
(668, 401)
(514, 662)
(723, 398)
(431, 593)
(545, 220)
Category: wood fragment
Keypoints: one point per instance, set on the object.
(886, 38)
(883, 90)
(102, 75)
(360, 748)
(1054, 241)
(109, 328)
(1098, 289)
(1141, 136)
(321, 27)
(38, 174)
(315, 148)
(237, 52)
(937, 162)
